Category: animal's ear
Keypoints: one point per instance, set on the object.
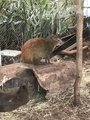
(54, 37)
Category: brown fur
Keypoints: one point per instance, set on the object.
(9, 102)
(35, 49)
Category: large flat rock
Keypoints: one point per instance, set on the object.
(55, 78)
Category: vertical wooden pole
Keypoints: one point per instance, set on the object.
(0, 56)
(79, 30)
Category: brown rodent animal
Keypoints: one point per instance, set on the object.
(35, 49)
(11, 101)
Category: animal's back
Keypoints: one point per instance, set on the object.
(35, 49)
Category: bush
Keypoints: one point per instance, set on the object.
(24, 19)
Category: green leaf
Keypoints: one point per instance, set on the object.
(43, 4)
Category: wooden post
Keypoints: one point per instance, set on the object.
(0, 56)
(79, 31)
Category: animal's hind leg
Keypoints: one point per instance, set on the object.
(47, 59)
(36, 61)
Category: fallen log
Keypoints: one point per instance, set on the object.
(70, 52)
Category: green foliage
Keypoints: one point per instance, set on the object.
(24, 19)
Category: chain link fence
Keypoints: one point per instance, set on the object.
(22, 20)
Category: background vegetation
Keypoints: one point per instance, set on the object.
(24, 19)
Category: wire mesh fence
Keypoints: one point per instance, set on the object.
(22, 20)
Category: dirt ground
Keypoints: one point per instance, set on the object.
(58, 107)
